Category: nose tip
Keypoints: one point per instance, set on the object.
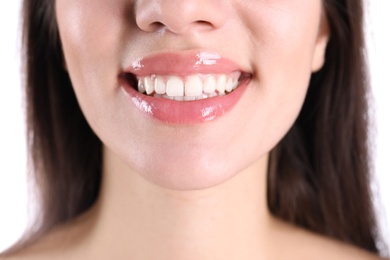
(179, 16)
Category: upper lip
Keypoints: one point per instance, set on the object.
(183, 64)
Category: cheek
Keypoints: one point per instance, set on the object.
(283, 35)
(283, 43)
(91, 50)
(89, 44)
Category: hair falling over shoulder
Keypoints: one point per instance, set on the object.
(319, 173)
(319, 176)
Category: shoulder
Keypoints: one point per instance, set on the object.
(308, 245)
(332, 249)
(63, 242)
(47, 247)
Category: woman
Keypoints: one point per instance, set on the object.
(198, 130)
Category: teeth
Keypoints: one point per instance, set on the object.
(229, 86)
(193, 86)
(209, 85)
(175, 87)
(159, 86)
(190, 88)
(221, 84)
(235, 85)
(148, 83)
(186, 98)
(141, 86)
(167, 97)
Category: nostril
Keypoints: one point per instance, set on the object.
(205, 23)
(156, 26)
(175, 28)
(202, 25)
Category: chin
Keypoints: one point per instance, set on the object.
(188, 172)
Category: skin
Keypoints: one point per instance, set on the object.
(189, 192)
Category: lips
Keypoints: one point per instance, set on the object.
(187, 88)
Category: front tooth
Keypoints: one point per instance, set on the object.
(175, 87)
(148, 83)
(221, 84)
(209, 85)
(159, 85)
(193, 86)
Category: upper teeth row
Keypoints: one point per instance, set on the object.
(191, 86)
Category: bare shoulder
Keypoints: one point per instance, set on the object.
(333, 249)
(61, 243)
(50, 246)
(308, 245)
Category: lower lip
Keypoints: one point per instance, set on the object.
(185, 112)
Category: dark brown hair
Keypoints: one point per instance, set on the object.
(319, 172)
(319, 176)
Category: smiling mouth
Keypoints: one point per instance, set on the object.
(186, 88)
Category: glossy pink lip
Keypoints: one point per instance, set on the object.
(183, 112)
(182, 64)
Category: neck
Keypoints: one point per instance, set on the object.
(228, 221)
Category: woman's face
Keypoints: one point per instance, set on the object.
(194, 52)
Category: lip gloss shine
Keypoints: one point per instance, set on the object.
(182, 65)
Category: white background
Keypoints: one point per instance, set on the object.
(13, 188)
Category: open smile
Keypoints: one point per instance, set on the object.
(184, 89)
